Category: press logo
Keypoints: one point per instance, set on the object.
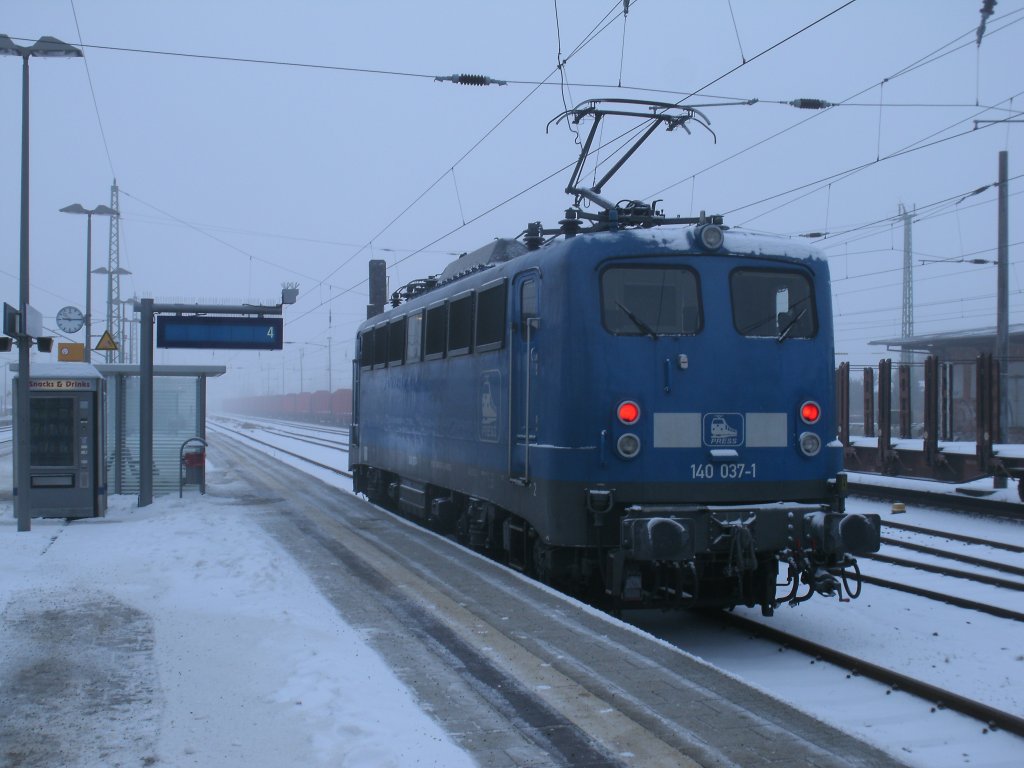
(723, 429)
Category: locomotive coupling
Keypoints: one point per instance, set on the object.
(657, 538)
(824, 583)
(861, 534)
(832, 532)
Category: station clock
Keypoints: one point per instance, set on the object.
(70, 319)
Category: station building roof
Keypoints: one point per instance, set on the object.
(958, 345)
(87, 370)
(126, 369)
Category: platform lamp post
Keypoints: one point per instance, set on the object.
(49, 47)
(99, 210)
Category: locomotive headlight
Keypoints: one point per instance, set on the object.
(628, 445)
(810, 444)
(711, 237)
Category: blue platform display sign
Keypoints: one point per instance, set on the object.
(219, 332)
(723, 430)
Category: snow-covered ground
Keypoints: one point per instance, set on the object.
(238, 660)
(235, 657)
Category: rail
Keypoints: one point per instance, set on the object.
(940, 697)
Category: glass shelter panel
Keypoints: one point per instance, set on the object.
(175, 420)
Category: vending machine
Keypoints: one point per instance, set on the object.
(67, 467)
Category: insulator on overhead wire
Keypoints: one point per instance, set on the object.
(987, 9)
(811, 104)
(470, 80)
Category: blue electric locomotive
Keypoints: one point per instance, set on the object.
(647, 410)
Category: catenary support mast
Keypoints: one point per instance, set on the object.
(907, 329)
(115, 309)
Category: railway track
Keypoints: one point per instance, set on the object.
(326, 443)
(307, 425)
(980, 578)
(958, 503)
(954, 536)
(976, 574)
(247, 436)
(939, 697)
(943, 597)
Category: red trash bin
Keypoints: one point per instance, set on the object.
(193, 465)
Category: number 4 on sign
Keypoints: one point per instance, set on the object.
(270, 332)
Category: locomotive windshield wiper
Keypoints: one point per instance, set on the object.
(789, 326)
(637, 321)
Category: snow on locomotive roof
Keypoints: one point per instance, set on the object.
(736, 241)
(494, 252)
(740, 242)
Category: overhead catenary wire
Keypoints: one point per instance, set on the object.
(622, 49)
(696, 92)
(174, 221)
(463, 216)
(924, 212)
(225, 243)
(844, 174)
(92, 91)
(590, 36)
(892, 270)
(736, 29)
(564, 89)
(319, 282)
(923, 61)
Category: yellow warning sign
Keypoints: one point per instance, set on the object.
(70, 352)
(106, 343)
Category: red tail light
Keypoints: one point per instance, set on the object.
(628, 412)
(810, 412)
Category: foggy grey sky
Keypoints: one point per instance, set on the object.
(238, 176)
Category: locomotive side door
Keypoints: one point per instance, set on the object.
(353, 430)
(522, 370)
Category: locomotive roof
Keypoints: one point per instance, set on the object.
(496, 251)
(738, 242)
(670, 238)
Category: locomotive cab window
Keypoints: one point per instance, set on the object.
(528, 311)
(650, 301)
(773, 303)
